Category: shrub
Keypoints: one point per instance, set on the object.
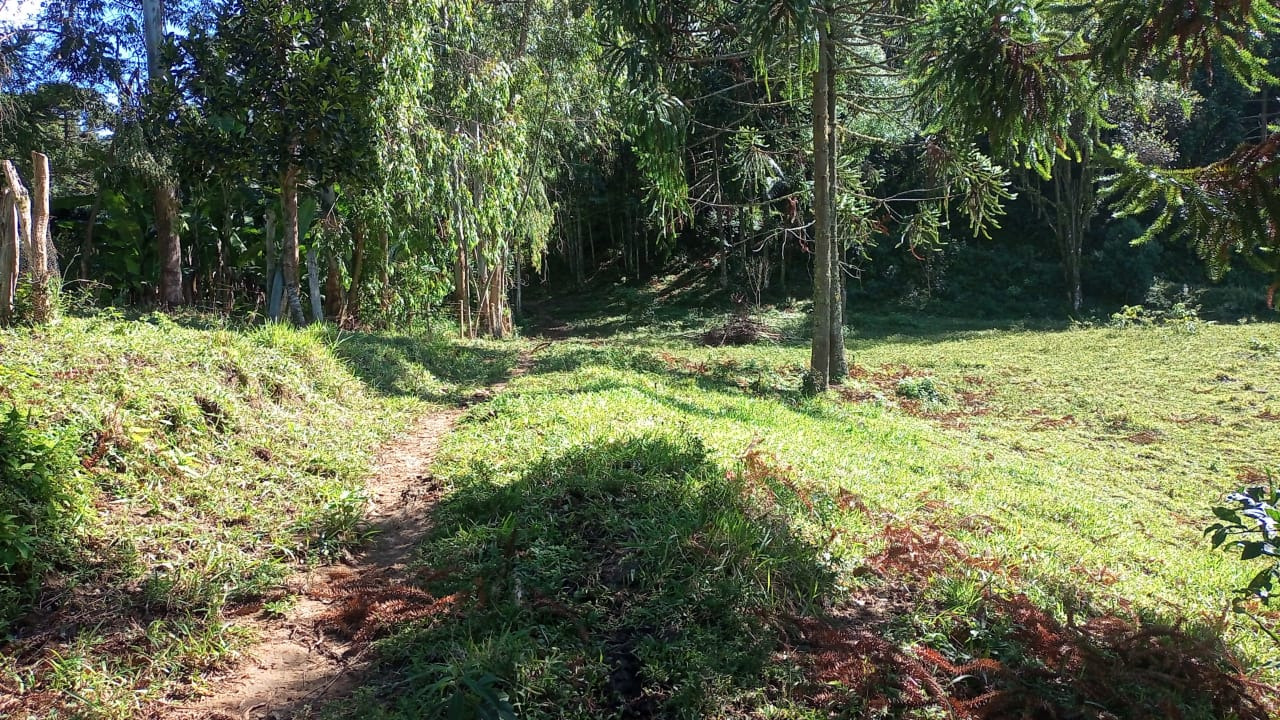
(1251, 524)
(42, 502)
(921, 389)
(1180, 315)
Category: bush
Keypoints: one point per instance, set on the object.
(42, 503)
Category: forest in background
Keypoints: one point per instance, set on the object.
(374, 163)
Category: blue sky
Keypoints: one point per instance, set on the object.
(18, 12)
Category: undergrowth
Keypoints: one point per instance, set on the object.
(158, 472)
(630, 578)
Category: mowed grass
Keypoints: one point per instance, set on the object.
(208, 462)
(1094, 449)
(1071, 470)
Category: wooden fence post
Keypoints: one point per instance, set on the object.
(41, 294)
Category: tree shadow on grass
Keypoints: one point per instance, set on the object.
(638, 579)
(727, 377)
(434, 370)
(628, 579)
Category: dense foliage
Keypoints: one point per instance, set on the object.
(374, 162)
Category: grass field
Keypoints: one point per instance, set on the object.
(985, 521)
(973, 494)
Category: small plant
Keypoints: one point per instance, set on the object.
(921, 389)
(1251, 524)
(40, 506)
(277, 609)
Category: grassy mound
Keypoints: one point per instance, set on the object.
(156, 474)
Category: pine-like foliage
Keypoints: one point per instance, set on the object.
(1185, 35)
(1226, 208)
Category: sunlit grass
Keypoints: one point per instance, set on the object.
(221, 458)
(1088, 473)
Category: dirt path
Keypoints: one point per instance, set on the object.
(297, 664)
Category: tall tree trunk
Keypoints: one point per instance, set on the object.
(384, 274)
(358, 239)
(820, 352)
(165, 194)
(838, 366)
(1074, 198)
(289, 261)
(86, 244)
(41, 293)
(168, 246)
(334, 303)
(190, 284)
(461, 289)
(519, 306)
(274, 289)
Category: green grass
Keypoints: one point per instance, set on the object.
(642, 526)
(1075, 467)
(208, 461)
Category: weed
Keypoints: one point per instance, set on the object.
(921, 389)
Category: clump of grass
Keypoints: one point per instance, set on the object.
(43, 503)
(922, 389)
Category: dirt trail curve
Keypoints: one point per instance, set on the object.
(296, 664)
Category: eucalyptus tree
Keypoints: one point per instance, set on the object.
(515, 92)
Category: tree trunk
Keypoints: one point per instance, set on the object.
(334, 303)
(838, 366)
(168, 244)
(1074, 198)
(190, 284)
(289, 261)
(384, 275)
(313, 285)
(270, 262)
(41, 293)
(461, 265)
(820, 352)
(165, 195)
(519, 306)
(358, 238)
(461, 291)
